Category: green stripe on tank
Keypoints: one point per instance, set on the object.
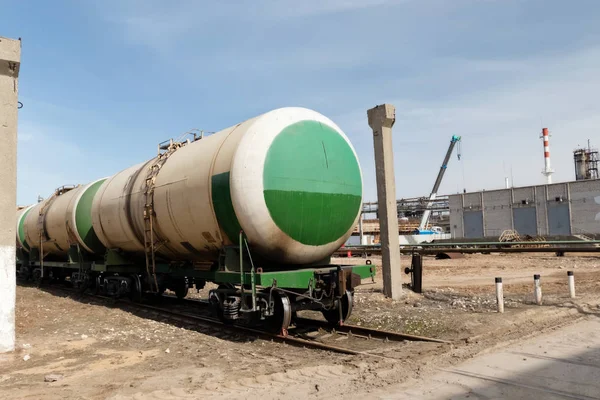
(22, 230)
(223, 206)
(312, 183)
(83, 218)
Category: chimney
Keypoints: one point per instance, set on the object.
(548, 171)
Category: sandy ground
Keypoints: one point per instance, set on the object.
(102, 351)
(459, 295)
(557, 365)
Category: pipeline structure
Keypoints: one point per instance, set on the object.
(560, 247)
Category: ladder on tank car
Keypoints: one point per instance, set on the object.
(152, 241)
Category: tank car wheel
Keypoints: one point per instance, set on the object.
(181, 289)
(84, 285)
(333, 316)
(23, 273)
(216, 302)
(36, 276)
(97, 285)
(182, 292)
(280, 321)
(136, 290)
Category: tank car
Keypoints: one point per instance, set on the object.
(257, 208)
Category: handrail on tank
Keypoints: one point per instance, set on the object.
(64, 189)
(196, 134)
(242, 274)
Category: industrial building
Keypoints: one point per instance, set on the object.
(562, 209)
(551, 210)
(586, 163)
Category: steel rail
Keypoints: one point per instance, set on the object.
(293, 340)
(216, 322)
(367, 332)
(350, 329)
(209, 321)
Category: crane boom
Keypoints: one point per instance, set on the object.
(427, 213)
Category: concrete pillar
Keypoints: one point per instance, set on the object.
(381, 120)
(10, 59)
(361, 233)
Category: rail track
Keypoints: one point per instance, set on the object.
(306, 332)
(364, 332)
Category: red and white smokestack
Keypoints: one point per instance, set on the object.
(548, 171)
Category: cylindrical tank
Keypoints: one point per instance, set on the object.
(62, 220)
(581, 164)
(290, 179)
(21, 214)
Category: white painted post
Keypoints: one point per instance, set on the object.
(499, 295)
(537, 289)
(571, 284)
(10, 61)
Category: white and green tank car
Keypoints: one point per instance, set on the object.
(257, 208)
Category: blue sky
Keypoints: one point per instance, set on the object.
(103, 82)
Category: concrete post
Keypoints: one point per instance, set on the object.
(499, 295)
(10, 60)
(381, 120)
(537, 289)
(360, 229)
(571, 284)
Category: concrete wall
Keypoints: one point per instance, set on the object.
(10, 57)
(585, 207)
(541, 206)
(496, 212)
(562, 208)
(455, 203)
(526, 194)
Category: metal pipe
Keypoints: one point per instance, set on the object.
(435, 250)
(417, 273)
(242, 269)
(505, 243)
(568, 242)
(252, 276)
(553, 249)
(41, 256)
